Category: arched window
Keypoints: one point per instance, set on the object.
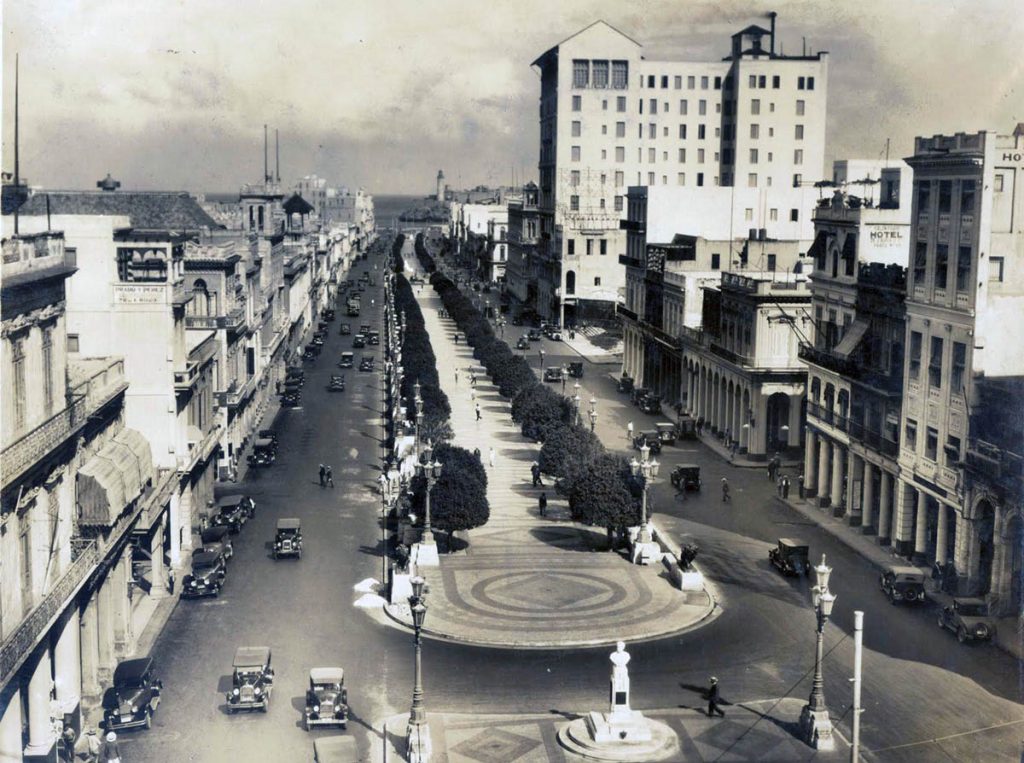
(200, 298)
(570, 282)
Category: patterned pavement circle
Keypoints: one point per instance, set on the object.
(537, 592)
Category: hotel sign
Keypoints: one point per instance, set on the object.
(886, 235)
(140, 294)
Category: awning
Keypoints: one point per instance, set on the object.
(851, 338)
(113, 478)
(817, 249)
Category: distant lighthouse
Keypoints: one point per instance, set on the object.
(440, 185)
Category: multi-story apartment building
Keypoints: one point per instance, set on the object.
(523, 228)
(480, 232)
(855, 357)
(314, 190)
(965, 298)
(609, 118)
(356, 208)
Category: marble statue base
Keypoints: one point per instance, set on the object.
(425, 555)
(644, 739)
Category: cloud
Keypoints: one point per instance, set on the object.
(174, 93)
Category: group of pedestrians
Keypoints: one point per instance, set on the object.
(92, 748)
(326, 476)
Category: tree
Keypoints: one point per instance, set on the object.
(600, 495)
(565, 446)
(458, 500)
(537, 409)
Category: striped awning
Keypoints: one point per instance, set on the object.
(113, 478)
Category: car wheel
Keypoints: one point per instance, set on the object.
(961, 634)
(149, 718)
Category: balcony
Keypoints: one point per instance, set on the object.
(871, 439)
(17, 646)
(991, 462)
(236, 394)
(202, 322)
(183, 380)
(33, 445)
(733, 357)
(625, 311)
(829, 361)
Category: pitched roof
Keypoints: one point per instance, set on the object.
(599, 22)
(146, 210)
(753, 29)
(296, 205)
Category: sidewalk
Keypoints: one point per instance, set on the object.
(529, 581)
(581, 345)
(757, 731)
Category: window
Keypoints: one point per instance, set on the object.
(603, 205)
(604, 130)
(580, 73)
(618, 203)
(771, 263)
(931, 443)
(798, 156)
(597, 280)
(945, 196)
(683, 107)
(995, 269)
(620, 78)
(968, 197)
(574, 203)
(800, 107)
(677, 82)
(570, 246)
(27, 599)
(651, 155)
(604, 104)
(700, 132)
(603, 246)
(755, 131)
(773, 215)
(703, 83)
(600, 73)
(776, 81)
(650, 178)
(956, 376)
(620, 103)
(799, 132)
(753, 156)
(574, 178)
(48, 369)
(577, 103)
(952, 451)
(748, 214)
(716, 261)
(652, 131)
(755, 106)
(794, 215)
(997, 183)
(620, 129)
(691, 83)
(682, 132)
(700, 178)
(577, 129)
(681, 178)
(653, 106)
(650, 80)
(604, 153)
(924, 199)
(700, 156)
(620, 154)
(810, 83)
(752, 180)
(915, 354)
(935, 363)
(590, 246)
(963, 268)
(18, 377)
(664, 81)
(702, 107)
(941, 265)
(72, 342)
(762, 82)
(801, 83)
(910, 434)
(920, 262)
(620, 179)
(752, 81)
(718, 83)
(576, 153)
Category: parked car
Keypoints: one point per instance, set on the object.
(337, 383)
(297, 371)
(522, 343)
(551, 331)
(134, 697)
(217, 540)
(288, 539)
(968, 619)
(335, 749)
(321, 327)
(346, 329)
(252, 679)
(347, 359)
(553, 374)
(268, 434)
(686, 427)
(319, 338)
(625, 383)
(358, 341)
(364, 329)
(291, 400)
(790, 556)
(326, 698)
(686, 477)
(650, 439)
(637, 394)
(244, 503)
(534, 335)
(312, 351)
(576, 369)
(328, 314)
(650, 403)
(902, 584)
(264, 451)
(373, 337)
(366, 364)
(207, 576)
(667, 432)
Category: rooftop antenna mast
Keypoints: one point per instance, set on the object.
(17, 165)
(277, 157)
(266, 177)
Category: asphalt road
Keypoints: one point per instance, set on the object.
(919, 683)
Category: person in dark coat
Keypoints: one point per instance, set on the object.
(109, 752)
(713, 699)
(542, 503)
(535, 471)
(800, 485)
(323, 474)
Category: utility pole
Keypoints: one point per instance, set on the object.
(858, 648)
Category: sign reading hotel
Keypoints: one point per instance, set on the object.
(140, 294)
(886, 235)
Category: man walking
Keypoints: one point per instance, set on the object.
(323, 475)
(535, 471)
(713, 699)
(800, 485)
(542, 503)
(478, 412)
(785, 486)
(629, 431)
(490, 456)
(456, 375)
(92, 744)
(726, 498)
(170, 581)
(329, 476)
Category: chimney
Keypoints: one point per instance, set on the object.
(772, 16)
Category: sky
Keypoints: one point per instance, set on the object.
(173, 94)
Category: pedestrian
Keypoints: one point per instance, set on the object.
(800, 485)
(91, 743)
(476, 452)
(714, 697)
(778, 486)
(323, 474)
(563, 382)
(542, 503)
(490, 456)
(472, 378)
(726, 498)
(109, 752)
(456, 375)
(67, 739)
(572, 333)
(170, 581)
(700, 425)
(472, 394)
(535, 471)
(629, 431)
(478, 417)
(785, 487)
(456, 337)
(329, 476)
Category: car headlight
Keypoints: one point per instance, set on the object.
(235, 691)
(257, 691)
(316, 708)
(981, 630)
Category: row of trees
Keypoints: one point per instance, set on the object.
(599, 486)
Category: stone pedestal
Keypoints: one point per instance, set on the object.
(620, 726)
(692, 581)
(418, 746)
(642, 551)
(425, 555)
(816, 729)
(401, 587)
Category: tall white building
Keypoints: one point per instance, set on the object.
(609, 119)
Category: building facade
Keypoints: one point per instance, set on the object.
(521, 278)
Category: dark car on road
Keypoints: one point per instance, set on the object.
(902, 584)
(650, 439)
(650, 403)
(216, 540)
(790, 556)
(288, 539)
(328, 314)
(337, 383)
(252, 679)
(264, 451)
(553, 374)
(366, 364)
(522, 343)
(347, 359)
(291, 400)
(230, 516)
(134, 697)
(326, 698)
(534, 335)
(346, 329)
(268, 434)
(968, 619)
(358, 341)
(625, 383)
(207, 576)
(576, 369)
(686, 477)
(373, 337)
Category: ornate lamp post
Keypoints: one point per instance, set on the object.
(418, 732)
(418, 415)
(648, 470)
(593, 413)
(430, 470)
(576, 401)
(814, 721)
(541, 353)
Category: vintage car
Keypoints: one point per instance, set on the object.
(216, 540)
(534, 335)
(552, 332)
(576, 369)
(650, 403)
(268, 434)
(337, 383)
(243, 502)
(335, 749)
(358, 341)
(346, 329)
(686, 477)
(553, 374)
(321, 327)
(252, 680)
(347, 359)
(292, 387)
(522, 343)
(625, 383)
(326, 698)
(666, 432)
(650, 439)
(134, 697)
(790, 556)
(229, 516)
(366, 363)
(293, 378)
(364, 329)
(968, 619)
(288, 539)
(312, 351)
(291, 400)
(353, 309)
(373, 337)
(902, 583)
(686, 427)
(328, 314)
(319, 337)
(637, 394)
(207, 576)
(264, 450)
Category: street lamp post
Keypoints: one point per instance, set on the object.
(593, 413)
(430, 470)
(417, 415)
(418, 732)
(576, 401)
(814, 721)
(648, 470)
(541, 353)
